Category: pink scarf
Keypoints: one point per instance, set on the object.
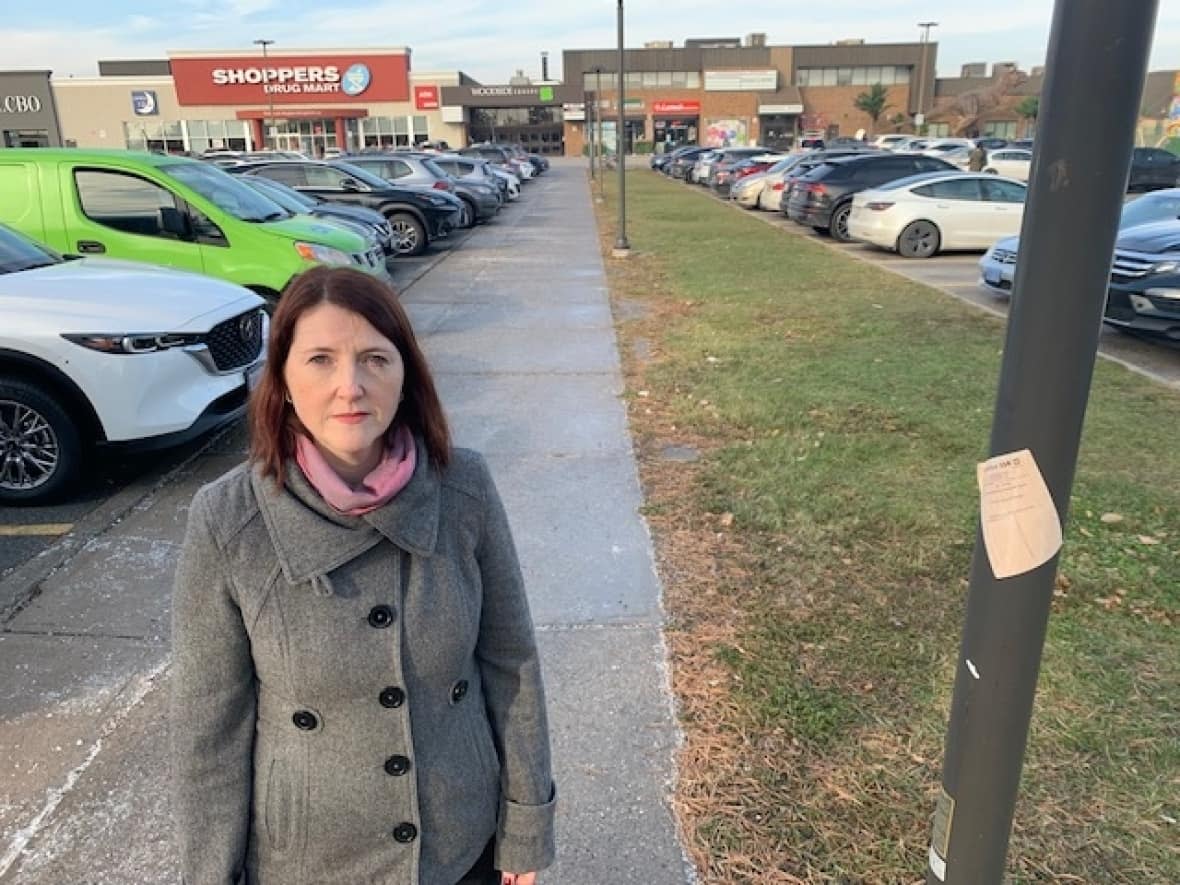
(386, 479)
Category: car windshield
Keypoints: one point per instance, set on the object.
(1160, 206)
(226, 192)
(289, 198)
(363, 175)
(18, 253)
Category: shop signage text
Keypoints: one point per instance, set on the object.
(544, 93)
(741, 81)
(675, 107)
(293, 80)
(20, 104)
(426, 98)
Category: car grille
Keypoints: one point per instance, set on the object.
(372, 258)
(1003, 256)
(236, 342)
(1131, 266)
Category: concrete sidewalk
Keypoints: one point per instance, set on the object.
(517, 326)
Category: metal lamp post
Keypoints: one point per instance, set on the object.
(622, 248)
(920, 116)
(269, 121)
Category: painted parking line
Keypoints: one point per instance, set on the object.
(37, 530)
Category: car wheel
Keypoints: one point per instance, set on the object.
(919, 239)
(467, 218)
(409, 236)
(839, 225)
(40, 449)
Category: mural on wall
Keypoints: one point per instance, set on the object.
(726, 133)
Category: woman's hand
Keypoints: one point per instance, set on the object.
(518, 878)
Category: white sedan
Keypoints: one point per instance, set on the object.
(1009, 162)
(922, 215)
(113, 353)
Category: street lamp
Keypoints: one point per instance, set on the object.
(270, 95)
(920, 116)
(622, 247)
(598, 123)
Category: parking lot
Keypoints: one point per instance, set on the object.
(957, 274)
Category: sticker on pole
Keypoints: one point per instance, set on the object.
(940, 840)
(1021, 529)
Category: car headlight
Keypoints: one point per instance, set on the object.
(134, 342)
(1165, 267)
(1167, 294)
(321, 254)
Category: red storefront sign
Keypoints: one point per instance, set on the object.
(291, 79)
(675, 107)
(426, 98)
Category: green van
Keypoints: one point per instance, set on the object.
(168, 210)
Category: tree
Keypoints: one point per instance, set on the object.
(873, 103)
(1028, 108)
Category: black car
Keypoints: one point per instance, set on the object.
(370, 224)
(992, 144)
(810, 161)
(682, 160)
(822, 198)
(416, 216)
(1152, 168)
(483, 201)
(1144, 293)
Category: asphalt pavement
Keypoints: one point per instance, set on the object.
(516, 322)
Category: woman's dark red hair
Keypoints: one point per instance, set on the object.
(273, 424)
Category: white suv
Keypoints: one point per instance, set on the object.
(114, 353)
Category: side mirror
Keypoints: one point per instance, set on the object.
(175, 222)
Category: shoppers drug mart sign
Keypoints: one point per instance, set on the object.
(290, 80)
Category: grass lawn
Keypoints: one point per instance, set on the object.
(808, 428)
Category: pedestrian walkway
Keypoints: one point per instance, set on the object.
(517, 325)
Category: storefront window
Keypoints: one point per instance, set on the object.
(216, 135)
(160, 137)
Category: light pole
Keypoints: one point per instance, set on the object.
(269, 121)
(919, 115)
(622, 247)
(598, 123)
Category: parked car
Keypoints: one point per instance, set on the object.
(369, 224)
(1144, 294)
(700, 168)
(889, 142)
(721, 170)
(771, 185)
(1153, 168)
(922, 215)
(991, 143)
(997, 267)
(1010, 162)
(501, 158)
(912, 145)
(416, 216)
(101, 352)
(474, 169)
(173, 211)
(480, 202)
(683, 162)
(822, 198)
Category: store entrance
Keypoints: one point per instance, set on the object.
(671, 134)
(311, 137)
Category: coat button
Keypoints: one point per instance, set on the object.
(305, 720)
(405, 833)
(392, 697)
(397, 765)
(459, 691)
(380, 616)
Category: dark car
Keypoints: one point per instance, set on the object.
(481, 202)
(822, 198)
(719, 170)
(1152, 168)
(1144, 294)
(992, 144)
(369, 223)
(810, 161)
(473, 169)
(499, 156)
(416, 216)
(682, 161)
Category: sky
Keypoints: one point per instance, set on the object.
(490, 41)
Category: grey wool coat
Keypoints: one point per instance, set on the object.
(355, 699)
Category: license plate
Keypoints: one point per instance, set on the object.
(254, 375)
(992, 276)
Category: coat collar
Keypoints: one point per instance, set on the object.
(311, 539)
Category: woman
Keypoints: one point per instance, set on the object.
(356, 691)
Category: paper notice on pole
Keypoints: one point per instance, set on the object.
(1021, 529)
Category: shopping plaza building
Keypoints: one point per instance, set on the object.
(709, 91)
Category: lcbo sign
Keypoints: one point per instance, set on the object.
(20, 104)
